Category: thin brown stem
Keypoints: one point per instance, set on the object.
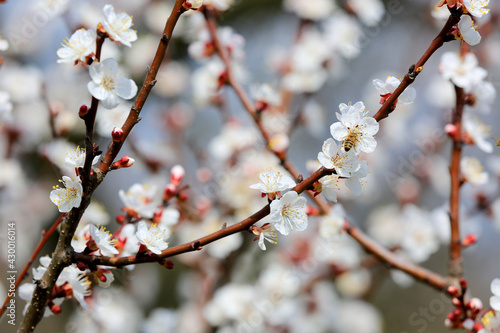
(418, 272)
(455, 264)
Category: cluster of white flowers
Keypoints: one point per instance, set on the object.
(356, 131)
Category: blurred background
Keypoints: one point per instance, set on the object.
(307, 282)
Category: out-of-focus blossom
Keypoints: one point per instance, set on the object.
(118, 26)
(370, 12)
(343, 34)
(264, 94)
(67, 198)
(110, 119)
(479, 132)
(5, 107)
(473, 171)
(109, 83)
(462, 71)
(288, 213)
(141, 199)
(204, 47)
(331, 225)
(79, 48)
(310, 9)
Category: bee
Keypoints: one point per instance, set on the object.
(350, 141)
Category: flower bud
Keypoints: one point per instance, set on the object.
(83, 111)
(124, 162)
(453, 291)
(451, 130)
(469, 240)
(117, 134)
(475, 305)
(169, 192)
(167, 263)
(120, 219)
(56, 309)
(176, 175)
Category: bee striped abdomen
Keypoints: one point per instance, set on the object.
(350, 141)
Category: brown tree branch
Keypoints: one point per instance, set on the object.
(63, 253)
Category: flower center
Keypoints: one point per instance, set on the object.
(108, 83)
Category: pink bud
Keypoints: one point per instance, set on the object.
(469, 240)
(124, 162)
(453, 291)
(475, 304)
(117, 134)
(463, 283)
(176, 175)
(456, 302)
(451, 130)
(83, 111)
(56, 309)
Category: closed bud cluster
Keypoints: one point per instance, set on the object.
(117, 134)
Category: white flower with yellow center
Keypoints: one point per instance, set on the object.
(477, 7)
(154, 238)
(265, 232)
(288, 213)
(118, 26)
(67, 198)
(333, 157)
(79, 47)
(76, 158)
(355, 128)
(479, 132)
(272, 181)
(109, 83)
(473, 171)
(103, 240)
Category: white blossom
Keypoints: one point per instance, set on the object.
(141, 199)
(391, 83)
(118, 26)
(154, 238)
(76, 158)
(479, 132)
(477, 7)
(288, 213)
(332, 156)
(355, 126)
(79, 47)
(473, 171)
(462, 71)
(109, 83)
(265, 93)
(70, 196)
(265, 233)
(495, 299)
(195, 4)
(310, 9)
(103, 239)
(272, 181)
(331, 225)
(5, 107)
(329, 187)
(468, 30)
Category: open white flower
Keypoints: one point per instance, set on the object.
(355, 127)
(141, 199)
(154, 238)
(79, 47)
(109, 83)
(353, 182)
(288, 213)
(76, 158)
(118, 26)
(468, 30)
(387, 88)
(473, 171)
(330, 187)
(333, 157)
(477, 7)
(272, 181)
(103, 240)
(266, 232)
(80, 284)
(67, 198)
